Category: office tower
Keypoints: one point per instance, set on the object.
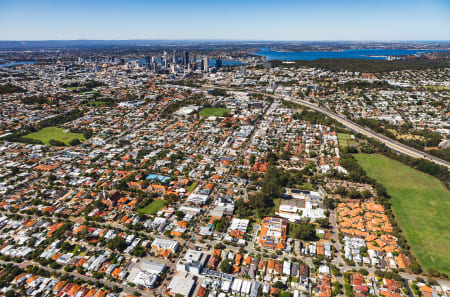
(218, 63)
(185, 58)
(174, 57)
(147, 60)
(205, 63)
(163, 62)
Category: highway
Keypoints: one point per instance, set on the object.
(393, 144)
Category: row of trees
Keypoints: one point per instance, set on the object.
(366, 65)
(423, 138)
(10, 88)
(17, 135)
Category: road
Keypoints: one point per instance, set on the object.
(126, 289)
(393, 144)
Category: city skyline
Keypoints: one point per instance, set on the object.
(233, 20)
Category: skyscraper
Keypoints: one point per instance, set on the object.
(205, 63)
(185, 58)
(174, 57)
(218, 63)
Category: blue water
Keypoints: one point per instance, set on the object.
(374, 54)
(16, 64)
(161, 178)
(212, 62)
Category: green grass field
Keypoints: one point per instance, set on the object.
(153, 207)
(213, 112)
(55, 133)
(421, 205)
(440, 88)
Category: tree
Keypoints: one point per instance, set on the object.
(286, 294)
(219, 226)
(179, 214)
(324, 223)
(117, 243)
(304, 230)
(279, 285)
(363, 271)
(75, 142)
(433, 272)
(415, 268)
(54, 142)
(366, 194)
(226, 266)
(329, 203)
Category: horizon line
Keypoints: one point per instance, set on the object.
(239, 40)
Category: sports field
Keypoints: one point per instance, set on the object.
(421, 205)
(153, 207)
(48, 133)
(213, 112)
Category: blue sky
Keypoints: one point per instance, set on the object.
(231, 19)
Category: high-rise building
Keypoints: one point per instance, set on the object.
(205, 63)
(174, 57)
(218, 63)
(185, 58)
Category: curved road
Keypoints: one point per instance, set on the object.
(393, 144)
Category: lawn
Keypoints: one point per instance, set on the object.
(153, 207)
(192, 187)
(97, 103)
(421, 205)
(74, 88)
(213, 112)
(55, 133)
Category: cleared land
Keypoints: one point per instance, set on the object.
(345, 140)
(213, 112)
(421, 205)
(153, 207)
(48, 133)
(406, 136)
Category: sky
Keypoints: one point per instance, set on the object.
(225, 20)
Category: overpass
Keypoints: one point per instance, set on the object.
(393, 144)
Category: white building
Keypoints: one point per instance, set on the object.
(193, 262)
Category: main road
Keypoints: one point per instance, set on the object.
(393, 144)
